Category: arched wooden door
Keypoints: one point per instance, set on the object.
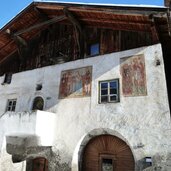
(107, 153)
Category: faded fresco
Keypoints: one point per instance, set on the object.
(76, 82)
(133, 76)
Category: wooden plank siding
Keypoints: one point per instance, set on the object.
(58, 44)
(115, 28)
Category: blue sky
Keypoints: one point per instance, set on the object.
(10, 8)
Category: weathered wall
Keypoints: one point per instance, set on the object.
(142, 121)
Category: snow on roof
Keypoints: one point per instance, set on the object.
(103, 4)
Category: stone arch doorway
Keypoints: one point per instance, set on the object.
(107, 153)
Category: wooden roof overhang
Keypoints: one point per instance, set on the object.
(38, 15)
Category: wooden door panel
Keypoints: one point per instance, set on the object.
(110, 147)
(40, 164)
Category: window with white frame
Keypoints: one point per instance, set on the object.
(109, 91)
(11, 104)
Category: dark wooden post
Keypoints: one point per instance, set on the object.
(167, 3)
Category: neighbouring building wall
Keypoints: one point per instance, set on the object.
(141, 117)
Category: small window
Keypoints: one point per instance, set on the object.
(109, 91)
(38, 103)
(7, 78)
(11, 104)
(107, 164)
(94, 49)
(38, 87)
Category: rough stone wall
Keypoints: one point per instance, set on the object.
(143, 121)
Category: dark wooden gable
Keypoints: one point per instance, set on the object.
(50, 33)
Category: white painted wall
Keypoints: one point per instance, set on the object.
(140, 120)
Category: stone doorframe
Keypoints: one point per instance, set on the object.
(78, 152)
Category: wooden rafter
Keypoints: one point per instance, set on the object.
(4, 59)
(17, 39)
(20, 42)
(119, 24)
(113, 20)
(126, 27)
(73, 19)
(42, 14)
(154, 33)
(97, 9)
(78, 26)
(45, 23)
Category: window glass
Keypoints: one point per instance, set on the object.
(113, 91)
(104, 92)
(113, 98)
(94, 49)
(8, 78)
(13, 108)
(107, 165)
(113, 84)
(104, 99)
(11, 104)
(104, 85)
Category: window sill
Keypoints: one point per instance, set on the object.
(108, 102)
(5, 83)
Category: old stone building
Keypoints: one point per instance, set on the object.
(85, 87)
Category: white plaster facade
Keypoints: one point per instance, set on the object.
(143, 121)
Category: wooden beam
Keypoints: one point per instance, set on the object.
(80, 36)
(169, 22)
(118, 19)
(154, 33)
(19, 40)
(73, 19)
(136, 11)
(45, 23)
(49, 7)
(119, 27)
(5, 58)
(143, 24)
(132, 11)
(44, 16)
(22, 45)
(167, 3)
(41, 14)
